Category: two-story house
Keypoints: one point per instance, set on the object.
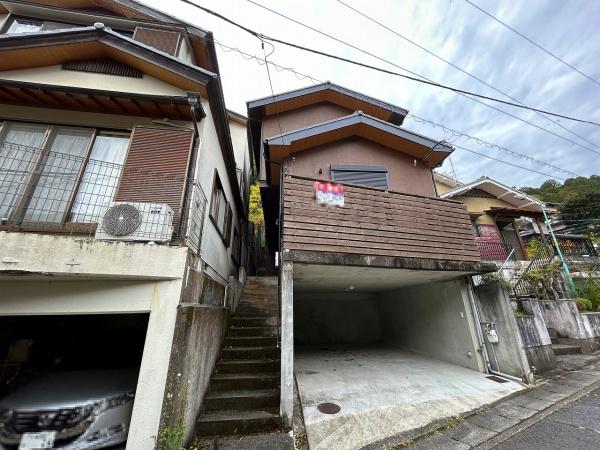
(123, 202)
(377, 318)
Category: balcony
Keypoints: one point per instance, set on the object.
(56, 192)
(494, 251)
(378, 223)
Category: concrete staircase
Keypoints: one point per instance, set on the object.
(562, 346)
(243, 395)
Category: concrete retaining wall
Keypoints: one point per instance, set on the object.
(564, 317)
(508, 355)
(199, 334)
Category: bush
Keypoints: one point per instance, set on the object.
(494, 278)
(583, 304)
(171, 438)
(590, 290)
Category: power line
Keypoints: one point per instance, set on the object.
(548, 52)
(479, 141)
(389, 72)
(450, 63)
(423, 79)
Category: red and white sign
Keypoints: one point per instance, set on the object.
(329, 194)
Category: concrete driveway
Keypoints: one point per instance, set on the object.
(382, 391)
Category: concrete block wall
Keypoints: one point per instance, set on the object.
(536, 340)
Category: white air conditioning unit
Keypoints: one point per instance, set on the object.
(128, 221)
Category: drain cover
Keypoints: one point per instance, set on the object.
(497, 379)
(329, 408)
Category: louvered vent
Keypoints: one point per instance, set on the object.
(103, 65)
(156, 167)
(372, 176)
(165, 41)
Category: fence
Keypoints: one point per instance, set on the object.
(494, 251)
(61, 192)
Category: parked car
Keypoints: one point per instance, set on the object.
(74, 410)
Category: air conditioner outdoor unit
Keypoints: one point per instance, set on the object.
(128, 221)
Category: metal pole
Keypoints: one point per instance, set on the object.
(565, 267)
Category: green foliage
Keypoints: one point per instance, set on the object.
(171, 437)
(542, 279)
(256, 211)
(533, 248)
(494, 278)
(590, 290)
(583, 304)
(519, 313)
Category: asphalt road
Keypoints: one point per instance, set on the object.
(574, 427)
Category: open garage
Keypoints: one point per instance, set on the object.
(72, 377)
(382, 351)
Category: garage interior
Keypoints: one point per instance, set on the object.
(91, 353)
(382, 351)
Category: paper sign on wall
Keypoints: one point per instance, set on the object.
(329, 194)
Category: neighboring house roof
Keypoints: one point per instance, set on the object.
(327, 92)
(518, 199)
(29, 50)
(367, 127)
(114, 12)
(448, 181)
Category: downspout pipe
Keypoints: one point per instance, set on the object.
(481, 338)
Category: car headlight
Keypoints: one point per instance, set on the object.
(113, 402)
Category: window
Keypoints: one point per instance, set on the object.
(55, 174)
(235, 246)
(372, 176)
(220, 211)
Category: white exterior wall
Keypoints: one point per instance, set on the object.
(213, 250)
(185, 52)
(3, 18)
(55, 75)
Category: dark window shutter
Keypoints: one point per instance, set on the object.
(372, 176)
(165, 41)
(156, 167)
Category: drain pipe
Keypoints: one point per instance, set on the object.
(481, 338)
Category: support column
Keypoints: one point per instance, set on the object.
(286, 407)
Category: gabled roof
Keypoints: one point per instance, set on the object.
(448, 181)
(330, 92)
(28, 50)
(518, 199)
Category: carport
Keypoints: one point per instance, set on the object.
(379, 351)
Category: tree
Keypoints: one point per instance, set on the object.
(256, 211)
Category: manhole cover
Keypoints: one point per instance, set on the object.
(329, 408)
(497, 379)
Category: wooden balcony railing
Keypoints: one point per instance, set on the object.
(376, 222)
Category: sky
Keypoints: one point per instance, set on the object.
(458, 33)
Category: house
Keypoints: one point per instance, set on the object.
(376, 304)
(123, 203)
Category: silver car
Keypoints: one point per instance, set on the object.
(77, 410)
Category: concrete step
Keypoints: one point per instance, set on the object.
(224, 381)
(253, 321)
(252, 331)
(250, 353)
(251, 341)
(241, 400)
(247, 366)
(564, 349)
(237, 422)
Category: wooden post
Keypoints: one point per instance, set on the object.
(286, 407)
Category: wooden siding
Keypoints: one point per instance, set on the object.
(377, 222)
(156, 167)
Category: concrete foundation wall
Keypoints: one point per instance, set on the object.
(199, 334)
(564, 317)
(507, 355)
(434, 319)
(336, 318)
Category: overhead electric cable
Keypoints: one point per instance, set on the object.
(390, 72)
(450, 63)
(479, 141)
(531, 41)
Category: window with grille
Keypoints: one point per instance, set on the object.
(220, 210)
(371, 176)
